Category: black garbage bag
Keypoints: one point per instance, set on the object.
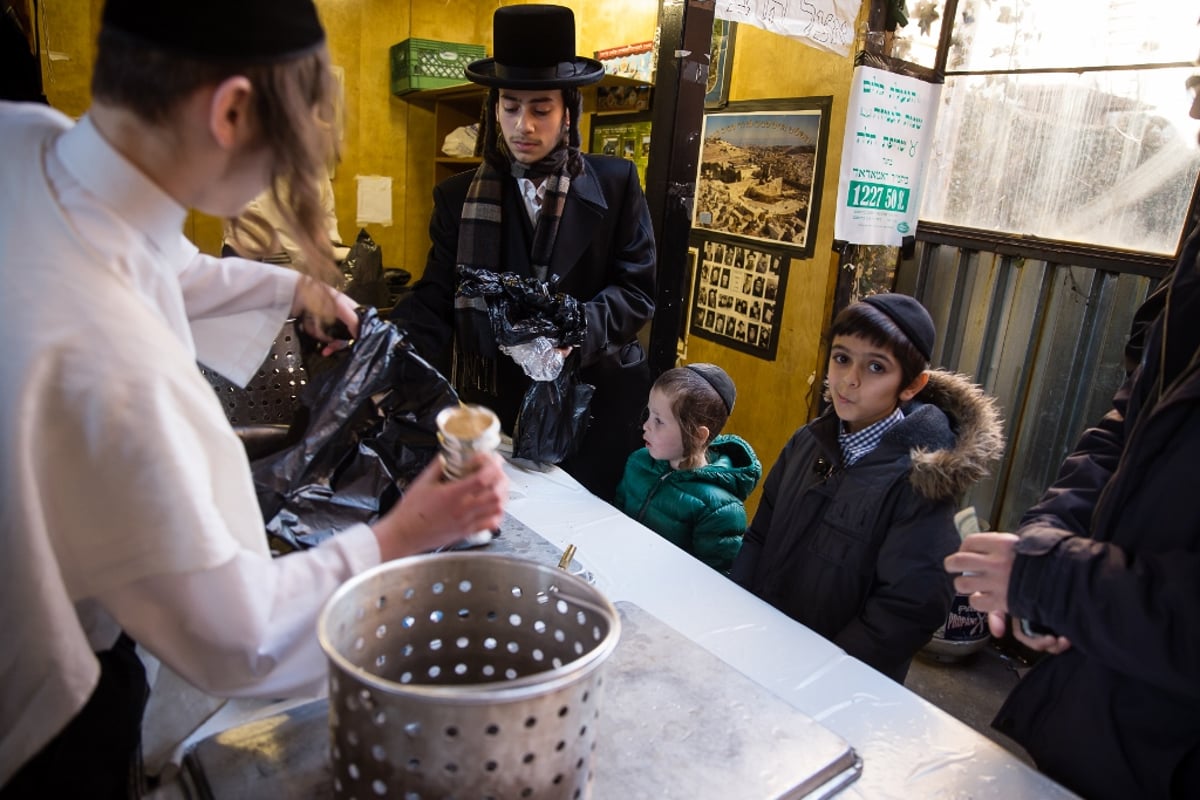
(363, 271)
(553, 417)
(521, 309)
(554, 413)
(368, 428)
(396, 280)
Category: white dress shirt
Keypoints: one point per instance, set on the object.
(533, 195)
(127, 498)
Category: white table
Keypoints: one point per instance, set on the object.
(909, 747)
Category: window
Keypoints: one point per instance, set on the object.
(1061, 119)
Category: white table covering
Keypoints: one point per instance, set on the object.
(909, 747)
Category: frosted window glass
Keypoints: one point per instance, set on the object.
(1102, 158)
(1048, 34)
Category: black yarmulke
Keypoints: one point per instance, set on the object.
(909, 316)
(719, 380)
(245, 31)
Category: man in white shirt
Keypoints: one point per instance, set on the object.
(128, 502)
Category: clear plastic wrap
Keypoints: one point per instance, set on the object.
(540, 359)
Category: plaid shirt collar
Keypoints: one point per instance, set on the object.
(856, 445)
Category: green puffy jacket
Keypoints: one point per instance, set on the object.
(700, 510)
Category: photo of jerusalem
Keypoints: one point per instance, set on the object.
(756, 174)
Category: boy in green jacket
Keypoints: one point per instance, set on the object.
(688, 484)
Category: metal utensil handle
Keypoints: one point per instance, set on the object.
(567, 555)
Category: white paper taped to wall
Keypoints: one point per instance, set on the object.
(374, 199)
(825, 24)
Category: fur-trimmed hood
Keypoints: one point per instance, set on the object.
(947, 469)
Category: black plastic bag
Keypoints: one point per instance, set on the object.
(554, 414)
(553, 418)
(521, 309)
(396, 280)
(369, 428)
(363, 270)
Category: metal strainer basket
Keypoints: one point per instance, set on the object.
(465, 675)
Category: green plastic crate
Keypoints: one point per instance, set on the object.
(427, 64)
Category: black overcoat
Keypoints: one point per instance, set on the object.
(604, 256)
(1110, 558)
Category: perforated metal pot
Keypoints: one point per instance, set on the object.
(465, 675)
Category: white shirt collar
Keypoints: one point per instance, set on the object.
(125, 189)
(533, 195)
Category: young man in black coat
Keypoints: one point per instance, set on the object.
(539, 208)
(1104, 575)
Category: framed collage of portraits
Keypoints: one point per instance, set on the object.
(737, 294)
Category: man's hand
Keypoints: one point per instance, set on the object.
(1048, 643)
(434, 512)
(982, 568)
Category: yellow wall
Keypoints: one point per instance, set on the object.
(776, 397)
(383, 135)
(389, 136)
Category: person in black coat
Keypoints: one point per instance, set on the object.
(1103, 574)
(858, 511)
(539, 208)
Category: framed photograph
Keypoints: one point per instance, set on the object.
(720, 64)
(762, 164)
(737, 293)
(624, 136)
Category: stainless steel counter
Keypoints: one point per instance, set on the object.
(676, 722)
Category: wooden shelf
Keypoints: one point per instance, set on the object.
(430, 97)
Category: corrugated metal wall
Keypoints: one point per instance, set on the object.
(1044, 338)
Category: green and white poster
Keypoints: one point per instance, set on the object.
(889, 131)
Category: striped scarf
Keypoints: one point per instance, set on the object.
(479, 233)
(479, 241)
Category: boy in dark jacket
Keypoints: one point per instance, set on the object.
(858, 512)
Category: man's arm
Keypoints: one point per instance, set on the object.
(235, 309)
(626, 303)
(427, 312)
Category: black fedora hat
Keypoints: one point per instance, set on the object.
(534, 48)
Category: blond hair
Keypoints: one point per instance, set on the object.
(293, 109)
